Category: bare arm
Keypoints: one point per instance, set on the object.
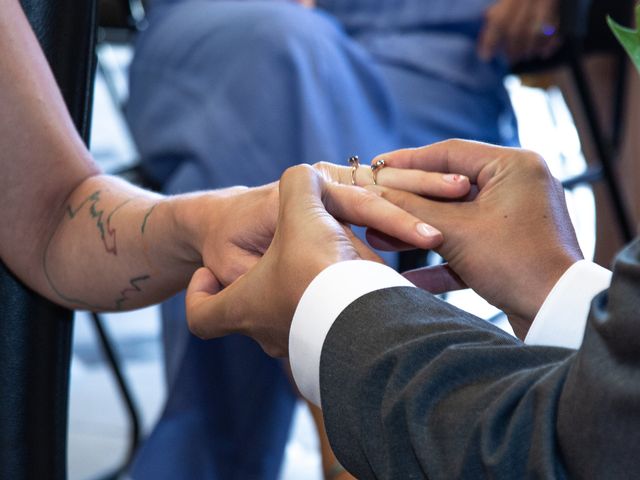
(87, 240)
(80, 238)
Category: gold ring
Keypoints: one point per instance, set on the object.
(354, 161)
(380, 164)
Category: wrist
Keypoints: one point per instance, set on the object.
(536, 290)
(188, 224)
(198, 219)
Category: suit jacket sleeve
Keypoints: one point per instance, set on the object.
(412, 387)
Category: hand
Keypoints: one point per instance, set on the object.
(510, 242)
(230, 229)
(307, 239)
(522, 29)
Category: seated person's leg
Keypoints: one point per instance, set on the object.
(233, 93)
(224, 94)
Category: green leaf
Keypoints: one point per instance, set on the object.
(630, 39)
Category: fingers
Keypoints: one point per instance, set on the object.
(381, 241)
(521, 29)
(362, 207)
(543, 25)
(539, 36)
(492, 33)
(463, 157)
(203, 302)
(551, 45)
(299, 186)
(428, 184)
(204, 282)
(420, 182)
(435, 279)
(212, 312)
(445, 216)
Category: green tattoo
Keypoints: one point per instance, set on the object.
(107, 234)
(108, 238)
(146, 217)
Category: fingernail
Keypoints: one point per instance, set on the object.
(428, 231)
(453, 178)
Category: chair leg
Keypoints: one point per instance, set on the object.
(125, 392)
(602, 148)
(619, 100)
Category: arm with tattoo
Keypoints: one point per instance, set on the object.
(87, 240)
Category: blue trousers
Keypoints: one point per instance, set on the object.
(227, 93)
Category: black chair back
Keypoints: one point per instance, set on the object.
(35, 335)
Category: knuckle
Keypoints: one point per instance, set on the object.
(323, 165)
(535, 163)
(452, 142)
(328, 171)
(297, 171)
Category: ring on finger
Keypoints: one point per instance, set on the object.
(546, 29)
(354, 161)
(375, 168)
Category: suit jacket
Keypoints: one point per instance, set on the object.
(414, 388)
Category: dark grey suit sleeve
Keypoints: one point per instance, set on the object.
(414, 388)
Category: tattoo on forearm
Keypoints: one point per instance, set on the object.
(108, 238)
(133, 288)
(107, 234)
(118, 304)
(146, 217)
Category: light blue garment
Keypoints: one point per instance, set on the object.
(234, 92)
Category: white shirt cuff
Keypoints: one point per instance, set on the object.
(563, 316)
(333, 290)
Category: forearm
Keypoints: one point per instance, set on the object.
(601, 392)
(81, 239)
(113, 247)
(413, 387)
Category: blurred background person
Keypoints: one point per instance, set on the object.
(233, 92)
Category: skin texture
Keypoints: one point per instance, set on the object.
(510, 242)
(308, 238)
(517, 29)
(91, 241)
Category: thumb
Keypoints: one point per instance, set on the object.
(205, 305)
(203, 282)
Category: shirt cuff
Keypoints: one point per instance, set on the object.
(563, 316)
(333, 290)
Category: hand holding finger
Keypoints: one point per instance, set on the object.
(262, 301)
(202, 288)
(359, 206)
(474, 160)
(421, 182)
(492, 32)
